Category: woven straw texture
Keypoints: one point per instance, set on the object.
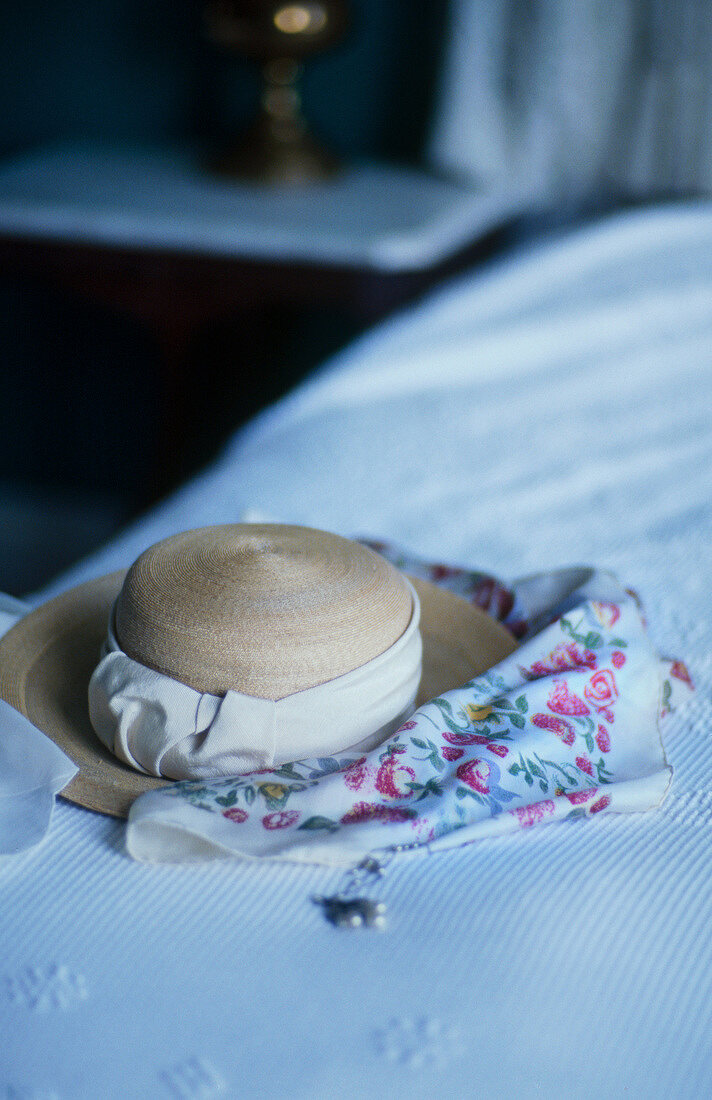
(266, 610)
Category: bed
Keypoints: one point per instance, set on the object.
(551, 408)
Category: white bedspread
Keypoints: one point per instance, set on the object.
(554, 408)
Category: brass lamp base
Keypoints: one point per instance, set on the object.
(263, 160)
(278, 147)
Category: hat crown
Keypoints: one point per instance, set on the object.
(263, 609)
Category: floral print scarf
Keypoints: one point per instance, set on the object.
(565, 727)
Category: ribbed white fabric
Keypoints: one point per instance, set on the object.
(165, 728)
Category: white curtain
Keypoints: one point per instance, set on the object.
(578, 99)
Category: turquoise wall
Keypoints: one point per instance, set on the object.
(133, 70)
(140, 70)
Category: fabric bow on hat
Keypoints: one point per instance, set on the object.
(565, 727)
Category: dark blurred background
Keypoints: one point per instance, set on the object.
(127, 71)
(581, 106)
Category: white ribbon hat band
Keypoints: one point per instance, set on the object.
(165, 728)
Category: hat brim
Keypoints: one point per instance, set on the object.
(47, 659)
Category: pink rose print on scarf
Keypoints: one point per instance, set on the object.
(603, 739)
(439, 573)
(559, 726)
(601, 692)
(393, 778)
(450, 753)
(282, 820)
(236, 814)
(601, 804)
(530, 815)
(678, 669)
(564, 658)
(470, 739)
(478, 588)
(563, 701)
(465, 738)
(577, 798)
(607, 614)
(423, 829)
(483, 777)
(618, 659)
(498, 750)
(493, 598)
(355, 774)
(584, 764)
(366, 811)
(476, 774)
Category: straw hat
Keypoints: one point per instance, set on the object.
(266, 610)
